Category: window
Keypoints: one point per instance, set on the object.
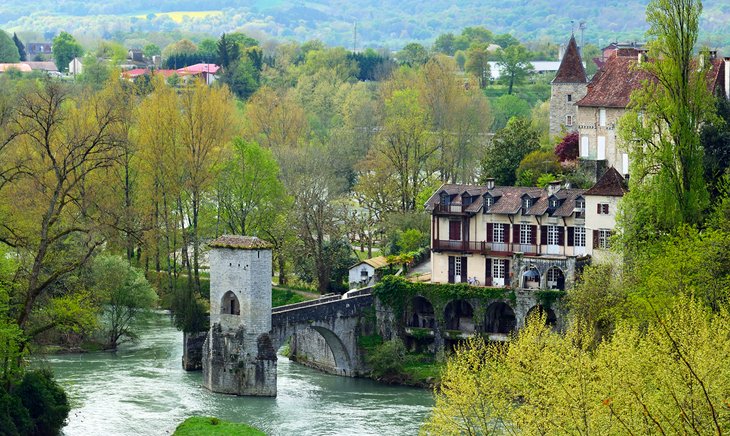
(625, 162)
(488, 202)
(457, 266)
(554, 203)
(570, 97)
(526, 203)
(553, 233)
(498, 268)
(579, 237)
(601, 152)
(554, 274)
(603, 236)
(525, 233)
(602, 208)
(568, 120)
(584, 145)
(602, 117)
(455, 230)
(498, 233)
(580, 203)
(445, 199)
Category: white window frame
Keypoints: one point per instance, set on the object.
(601, 148)
(525, 234)
(579, 236)
(526, 203)
(457, 267)
(488, 202)
(498, 271)
(580, 204)
(601, 207)
(625, 162)
(602, 117)
(553, 235)
(552, 274)
(585, 145)
(498, 233)
(569, 120)
(603, 236)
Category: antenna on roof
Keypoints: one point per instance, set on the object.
(572, 27)
(582, 27)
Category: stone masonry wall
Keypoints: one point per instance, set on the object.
(560, 107)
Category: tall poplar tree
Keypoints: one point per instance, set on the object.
(661, 130)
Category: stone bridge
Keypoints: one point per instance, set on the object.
(323, 333)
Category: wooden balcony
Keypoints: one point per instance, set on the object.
(481, 247)
(449, 209)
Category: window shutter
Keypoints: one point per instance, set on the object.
(595, 239)
(490, 232)
(533, 235)
(506, 233)
(489, 268)
(598, 208)
(561, 236)
(455, 230)
(464, 270)
(605, 208)
(516, 233)
(571, 236)
(543, 235)
(452, 268)
(506, 273)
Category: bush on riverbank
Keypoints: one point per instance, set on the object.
(35, 406)
(390, 362)
(202, 426)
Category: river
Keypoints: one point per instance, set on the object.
(142, 390)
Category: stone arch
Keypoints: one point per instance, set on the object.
(550, 318)
(230, 304)
(530, 278)
(459, 315)
(421, 313)
(499, 318)
(555, 278)
(338, 348)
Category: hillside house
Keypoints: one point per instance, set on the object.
(522, 237)
(364, 273)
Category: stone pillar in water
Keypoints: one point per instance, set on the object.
(238, 356)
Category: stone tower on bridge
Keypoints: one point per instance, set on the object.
(238, 355)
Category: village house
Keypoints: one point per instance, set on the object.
(522, 237)
(365, 272)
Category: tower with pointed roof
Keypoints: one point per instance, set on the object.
(569, 86)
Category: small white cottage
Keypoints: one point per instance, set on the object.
(362, 274)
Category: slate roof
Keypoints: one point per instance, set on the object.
(571, 68)
(240, 242)
(613, 84)
(611, 184)
(508, 199)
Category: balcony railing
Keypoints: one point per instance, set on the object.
(486, 247)
(449, 208)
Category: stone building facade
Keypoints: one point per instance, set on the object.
(238, 355)
(569, 86)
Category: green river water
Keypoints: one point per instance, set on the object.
(142, 390)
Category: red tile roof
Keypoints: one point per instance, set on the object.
(613, 84)
(611, 184)
(199, 68)
(571, 68)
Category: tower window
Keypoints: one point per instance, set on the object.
(568, 120)
(570, 97)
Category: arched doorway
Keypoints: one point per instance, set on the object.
(422, 314)
(550, 318)
(459, 315)
(499, 318)
(531, 278)
(555, 279)
(230, 304)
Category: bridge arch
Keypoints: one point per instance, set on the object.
(459, 315)
(550, 318)
(339, 351)
(499, 318)
(421, 314)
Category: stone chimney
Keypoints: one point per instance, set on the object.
(553, 187)
(490, 183)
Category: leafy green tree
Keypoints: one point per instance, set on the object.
(21, 48)
(514, 64)
(45, 400)
(95, 73)
(445, 44)
(208, 50)
(715, 139)
(126, 296)
(228, 51)
(413, 55)
(150, 50)
(241, 77)
(506, 107)
(8, 49)
(507, 149)
(477, 64)
(460, 58)
(505, 40)
(471, 36)
(662, 127)
(65, 49)
(536, 164)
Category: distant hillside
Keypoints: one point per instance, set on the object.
(390, 23)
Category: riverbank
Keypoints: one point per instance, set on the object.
(208, 426)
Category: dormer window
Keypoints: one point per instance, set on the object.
(526, 203)
(580, 203)
(466, 200)
(445, 199)
(554, 203)
(488, 202)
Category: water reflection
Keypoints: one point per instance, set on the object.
(142, 390)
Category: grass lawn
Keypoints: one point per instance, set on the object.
(202, 426)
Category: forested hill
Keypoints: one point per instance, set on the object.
(390, 23)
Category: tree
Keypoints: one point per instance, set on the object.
(506, 107)
(567, 148)
(477, 64)
(21, 48)
(514, 63)
(535, 165)
(445, 44)
(125, 294)
(413, 55)
(509, 146)
(8, 49)
(228, 51)
(275, 120)
(150, 50)
(65, 49)
(662, 127)
(670, 375)
(460, 58)
(715, 139)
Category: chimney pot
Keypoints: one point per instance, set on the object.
(490, 183)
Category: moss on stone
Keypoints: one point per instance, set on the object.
(203, 426)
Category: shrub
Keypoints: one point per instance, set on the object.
(14, 418)
(45, 400)
(388, 358)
